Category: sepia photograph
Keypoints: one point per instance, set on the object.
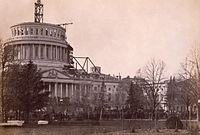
(100, 67)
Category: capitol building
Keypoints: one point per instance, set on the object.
(46, 45)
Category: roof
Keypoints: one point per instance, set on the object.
(39, 24)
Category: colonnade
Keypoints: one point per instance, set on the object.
(71, 90)
(53, 32)
(41, 51)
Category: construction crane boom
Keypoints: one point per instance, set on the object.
(65, 24)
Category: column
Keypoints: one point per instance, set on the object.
(80, 91)
(61, 93)
(56, 90)
(45, 52)
(51, 53)
(72, 89)
(21, 52)
(28, 51)
(44, 87)
(23, 48)
(86, 90)
(33, 51)
(56, 53)
(39, 51)
(49, 87)
(67, 90)
(198, 110)
(60, 53)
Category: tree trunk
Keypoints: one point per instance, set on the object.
(187, 109)
(198, 111)
(27, 116)
(2, 97)
(88, 113)
(101, 113)
(153, 114)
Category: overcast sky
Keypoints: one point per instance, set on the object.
(118, 35)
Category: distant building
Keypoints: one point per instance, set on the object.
(180, 97)
(144, 85)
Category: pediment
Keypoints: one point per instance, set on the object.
(53, 73)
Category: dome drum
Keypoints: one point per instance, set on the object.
(41, 43)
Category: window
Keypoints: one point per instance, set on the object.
(42, 51)
(36, 51)
(55, 33)
(177, 108)
(27, 52)
(36, 31)
(64, 90)
(26, 31)
(63, 54)
(58, 35)
(58, 90)
(41, 32)
(53, 89)
(31, 51)
(54, 52)
(47, 32)
(63, 37)
(18, 51)
(15, 52)
(15, 32)
(48, 52)
(22, 31)
(109, 96)
(58, 53)
(46, 86)
(31, 31)
(18, 32)
(51, 33)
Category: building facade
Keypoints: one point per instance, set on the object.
(45, 44)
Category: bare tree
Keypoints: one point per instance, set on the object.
(191, 73)
(171, 94)
(153, 74)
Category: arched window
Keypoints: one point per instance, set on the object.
(41, 31)
(22, 31)
(18, 32)
(26, 31)
(47, 32)
(36, 31)
(31, 31)
(55, 32)
(51, 33)
(15, 32)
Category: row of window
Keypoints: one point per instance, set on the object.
(48, 52)
(109, 88)
(38, 31)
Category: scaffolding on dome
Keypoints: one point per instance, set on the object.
(39, 12)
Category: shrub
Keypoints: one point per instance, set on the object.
(174, 122)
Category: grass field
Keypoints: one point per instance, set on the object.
(142, 127)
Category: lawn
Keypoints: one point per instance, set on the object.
(142, 127)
